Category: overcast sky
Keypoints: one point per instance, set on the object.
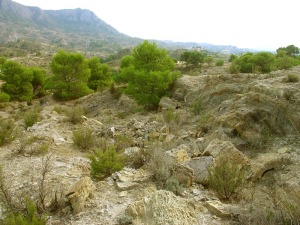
(259, 24)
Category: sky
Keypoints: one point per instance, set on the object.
(257, 24)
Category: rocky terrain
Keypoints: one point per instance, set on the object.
(252, 118)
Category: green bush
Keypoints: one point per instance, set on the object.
(220, 62)
(105, 162)
(70, 76)
(226, 177)
(28, 217)
(149, 72)
(84, 138)
(4, 97)
(31, 117)
(74, 115)
(8, 131)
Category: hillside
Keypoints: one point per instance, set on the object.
(251, 118)
(76, 29)
(68, 28)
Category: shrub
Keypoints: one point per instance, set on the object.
(161, 166)
(125, 220)
(4, 97)
(83, 138)
(220, 62)
(31, 117)
(8, 131)
(34, 145)
(28, 217)
(123, 142)
(226, 177)
(197, 107)
(291, 78)
(74, 115)
(173, 185)
(105, 162)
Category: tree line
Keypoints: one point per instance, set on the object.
(148, 73)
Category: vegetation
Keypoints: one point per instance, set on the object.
(265, 62)
(220, 62)
(31, 117)
(291, 78)
(83, 138)
(105, 162)
(75, 115)
(149, 74)
(100, 75)
(27, 217)
(70, 75)
(8, 131)
(17, 81)
(193, 58)
(225, 177)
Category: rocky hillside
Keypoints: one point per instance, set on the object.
(252, 119)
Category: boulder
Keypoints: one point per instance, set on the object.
(218, 148)
(184, 174)
(167, 103)
(79, 192)
(200, 165)
(162, 207)
(180, 154)
(129, 178)
(218, 209)
(266, 162)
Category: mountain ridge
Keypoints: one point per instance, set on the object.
(77, 29)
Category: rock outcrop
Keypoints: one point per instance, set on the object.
(161, 208)
(79, 193)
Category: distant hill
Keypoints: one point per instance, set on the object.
(76, 29)
(69, 28)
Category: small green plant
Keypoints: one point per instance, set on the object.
(8, 131)
(31, 117)
(75, 115)
(226, 177)
(291, 78)
(105, 162)
(220, 62)
(197, 106)
(173, 185)
(84, 138)
(123, 142)
(35, 145)
(29, 216)
(4, 97)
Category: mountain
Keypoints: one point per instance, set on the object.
(76, 29)
(68, 28)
